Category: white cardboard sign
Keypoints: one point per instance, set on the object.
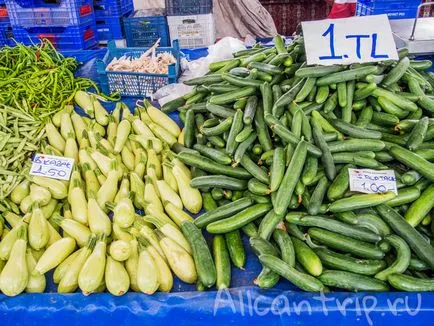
(349, 40)
(372, 181)
(50, 166)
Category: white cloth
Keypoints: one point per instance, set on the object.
(242, 18)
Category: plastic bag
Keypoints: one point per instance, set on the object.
(219, 51)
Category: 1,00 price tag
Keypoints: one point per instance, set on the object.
(50, 166)
(372, 181)
(349, 40)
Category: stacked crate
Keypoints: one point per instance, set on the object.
(395, 9)
(109, 16)
(144, 27)
(191, 22)
(69, 24)
(6, 35)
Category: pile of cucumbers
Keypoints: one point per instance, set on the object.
(269, 141)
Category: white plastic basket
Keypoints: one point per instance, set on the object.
(193, 31)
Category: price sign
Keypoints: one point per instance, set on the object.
(372, 181)
(50, 166)
(349, 40)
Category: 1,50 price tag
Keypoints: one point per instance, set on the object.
(50, 166)
(349, 40)
(372, 181)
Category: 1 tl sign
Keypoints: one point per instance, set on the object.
(349, 40)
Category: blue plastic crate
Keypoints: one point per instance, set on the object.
(6, 34)
(135, 83)
(63, 38)
(109, 28)
(112, 8)
(188, 7)
(393, 9)
(144, 31)
(36, 13)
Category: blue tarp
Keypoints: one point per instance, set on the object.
(243, 303)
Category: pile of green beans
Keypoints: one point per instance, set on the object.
(270, 140)
(38, 78)
(20, 136)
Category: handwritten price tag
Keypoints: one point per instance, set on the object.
(50, 166)
(349, 40)
(372, 181)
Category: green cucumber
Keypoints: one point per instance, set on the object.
(301, 280)
(290, 178)
(317, 196)
(254, 169)
(219, 181)
(414, 239)
(220, 111)
(352, 281)
(214, 154)
(413, 161)
(354, 131)
(411, 284)
(250, 110)
(355, 145)
(268, 224)
(230, 97)
(209, 165)
(205, 267)
(307, 257)
(347, 263)
(222, 262)
(365, 117)
(327, 223)
(306, 89)
(235, 247)
(238, 220)
(420, 207)
(360, 201)
(340, 184)
(405, 196)
(223, 212)
(318, 71)
(258, 188)
(417, 134)
(326, 158)
(277, 169)
(396, 72)
(242, 148)
(346, 244)
(204, 80)
(347, 75)
(236, 127)
(223, 126)
(403, 255)
(286, 246)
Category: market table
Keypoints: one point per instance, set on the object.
(243, 303)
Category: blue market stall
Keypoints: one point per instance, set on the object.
(243, 303)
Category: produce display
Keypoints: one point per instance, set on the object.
(36, 82)
(264, 152)
(270, 141)
(124, 164)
